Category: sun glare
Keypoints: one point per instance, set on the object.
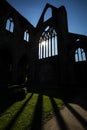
(43, 43)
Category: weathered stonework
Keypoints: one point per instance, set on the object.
(19, 62)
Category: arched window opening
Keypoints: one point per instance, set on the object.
(48, 43)
(10, 25)
(80, 55)
(26, 36)
(77, 39)
(48, 14)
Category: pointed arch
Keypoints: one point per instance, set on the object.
(48, 14)
(80, 55)
(48, 43)
(26, 35)
(10, 24)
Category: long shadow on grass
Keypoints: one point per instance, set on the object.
(3, 100)
(77, 115)
(59, 117)
(73, 94)
(10, 96)
(11, 123)
(37, 118)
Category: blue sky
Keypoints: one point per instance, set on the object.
(76, 12)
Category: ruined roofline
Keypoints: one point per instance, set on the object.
(62, 7)
(19, 14)
(77, 34)
(24, 19)
(50, 5)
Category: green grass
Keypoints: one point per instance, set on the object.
(19, 115)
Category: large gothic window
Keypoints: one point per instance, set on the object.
(48, 43)
(80, 55)
(10, 25)
(26, 36)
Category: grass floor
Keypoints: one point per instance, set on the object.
(21, 114)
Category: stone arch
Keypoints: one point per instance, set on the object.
(48, 14)
(26, 35)
(47, 10)
(80, 55)
(78, 69)
(22, 69)
(75, 47)
(10, 24)
(16, 23)
(48, 42)
(48, 67)
(7, 17)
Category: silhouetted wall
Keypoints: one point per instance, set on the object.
(19, 47)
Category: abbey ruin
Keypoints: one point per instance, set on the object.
(46, 55)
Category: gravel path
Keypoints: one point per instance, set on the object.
(71, 117)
